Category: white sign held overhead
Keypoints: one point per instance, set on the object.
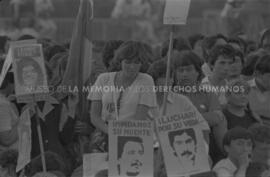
(7, 64)
(176, 12)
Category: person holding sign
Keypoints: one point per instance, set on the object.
(122, 95)
(181, 115)
(187, 79)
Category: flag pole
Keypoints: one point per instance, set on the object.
(40, 139)
(168, 71)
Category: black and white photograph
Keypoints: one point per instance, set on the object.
(134, 88)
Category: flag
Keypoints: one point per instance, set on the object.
(80, 48)
(79, 63)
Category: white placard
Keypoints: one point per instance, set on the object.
(29, 73)
(130, 148)
(176, 12)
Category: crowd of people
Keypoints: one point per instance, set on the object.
(225, 79)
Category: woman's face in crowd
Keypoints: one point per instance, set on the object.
(236, 67)
(131, 67)
(29, 75)
(186, 75)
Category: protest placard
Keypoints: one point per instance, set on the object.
(130, 148)
(8, 60)
(176, 12)
(29, 73)
(180, 133)
(25, 141)
(94, 164)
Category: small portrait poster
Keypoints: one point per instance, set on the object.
(29, 73)
(183, 145)
(130, 148)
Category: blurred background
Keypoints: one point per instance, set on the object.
(55, 18)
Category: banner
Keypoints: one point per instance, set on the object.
(130, 148)
(29, 73)
(176, 12)
(180, 133)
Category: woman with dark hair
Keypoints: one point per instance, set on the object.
(109, 50)
(124, 94)
(188, 74)
(132, 48)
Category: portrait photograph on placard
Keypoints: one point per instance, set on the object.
(29, 71)
(130, 149)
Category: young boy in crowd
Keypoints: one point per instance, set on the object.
(259, 96)
(236, 111)
(261, 152)
(238, 145)
(220, 59)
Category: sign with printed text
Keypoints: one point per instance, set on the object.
(130, 148)
(29, 73)
(176, 12)
(182, 143)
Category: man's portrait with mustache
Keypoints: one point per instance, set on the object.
(183, 143)
(130, 156)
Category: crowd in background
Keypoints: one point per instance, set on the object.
(238, 137)
(197, 60)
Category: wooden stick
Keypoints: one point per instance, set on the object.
(41, 146)
(168, 71)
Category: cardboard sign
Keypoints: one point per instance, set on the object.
(176, 12)
(130, 148)
(181, 138)
(25, 140)
(29, 73)
(94, 164)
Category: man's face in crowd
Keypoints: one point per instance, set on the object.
(131, 159)
(161, 82)
(239, 97)
(239, 147)
(187, 75)
(236, 67)
(264, 80)
(185, 148)
(29, 75)
(221, 66)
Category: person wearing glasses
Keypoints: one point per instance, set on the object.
(126, 94)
